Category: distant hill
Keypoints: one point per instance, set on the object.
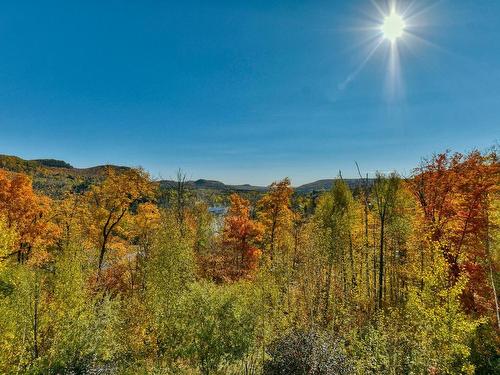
(55, 177)
(15, 164)
(326, 184)
(320, 185)
(213, 185)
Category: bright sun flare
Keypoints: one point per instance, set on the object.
(393, 26)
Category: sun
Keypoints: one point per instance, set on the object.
(393, 27)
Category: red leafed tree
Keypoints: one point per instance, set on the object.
(454, 192)
(241, 237)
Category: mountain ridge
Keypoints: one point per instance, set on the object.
(54, 177)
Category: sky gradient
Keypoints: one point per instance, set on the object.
(243, 91)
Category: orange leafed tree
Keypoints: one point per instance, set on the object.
(275, 213)
(28, 213)
(109, 204)
(454, 193)
(241, 236)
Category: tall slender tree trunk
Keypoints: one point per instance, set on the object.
(367, 251)
(273, 231)
(102, 253)
(492, 278)
(327, 290)
(495, 296)
(36, 303)
(381, 264)
(421, 266)
(351, 255)
(375, 275)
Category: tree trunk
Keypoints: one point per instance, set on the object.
(351, 255)
(102, 252)
(381, 263)
(327, 291)
(492, 279)
(35, 320)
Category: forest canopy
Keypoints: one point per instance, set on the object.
(397, 275)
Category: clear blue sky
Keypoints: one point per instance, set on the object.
(242, 91)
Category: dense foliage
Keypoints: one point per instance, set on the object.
(398, 276)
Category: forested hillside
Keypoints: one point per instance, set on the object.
(118, 274)
(56, 177)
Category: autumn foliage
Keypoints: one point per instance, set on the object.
(390, 275)
(28, 213)
(455, 192)
(241, 237)
(276, 216)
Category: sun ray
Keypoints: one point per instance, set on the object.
(413, 37)
(408, 10)
(394, 81)
(378, 8)
(360, 67)
(423, 10)
(373, 38)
